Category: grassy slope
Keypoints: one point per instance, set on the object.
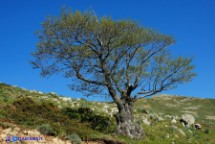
(32, 109)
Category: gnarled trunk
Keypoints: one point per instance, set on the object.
(125, 124)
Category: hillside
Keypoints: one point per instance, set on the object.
(58, 119)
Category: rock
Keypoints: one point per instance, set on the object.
(25, 132)
(34, 133)
(114, 110)
(155, 116)
(160, 118)
(168, 116)
(198, 126)
(57, 141)
(8, 130)
(175, 117)
(187, 119)
(130, 129)
(39, 92)
(181, 132)
(183, 124)
(175, 127)
(76, 104)
(167, 136)
(146, 122)
(173, 121)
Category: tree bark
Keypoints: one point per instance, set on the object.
(125, 121)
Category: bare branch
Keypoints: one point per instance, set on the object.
(81, 77)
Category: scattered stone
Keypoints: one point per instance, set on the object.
(16, 131)
(210, 117)
(174, 127)
(146, 122)
(114, 110)
(76, 104)
(173, 121)
(155, 116)
(181, 132)
(33, 133)
(53, 93)
(167, 136)
(192, 108)
(187, 119)
(183, 124)
(160, 118)
(198, 126)
(39, 92)
(175, 117)
(25, 132)
(105, 106)
(168, 116)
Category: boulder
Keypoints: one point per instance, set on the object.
(187, 119)
(146, 122)
(130, 129)
(181, 132)
(198, 126)
(173, 121)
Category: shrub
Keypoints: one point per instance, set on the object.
(5, 125)
(74, 138)
(71, 113)
(5, 98)
(97, 122)
(102, 123)
(206, 131)
(47, 130)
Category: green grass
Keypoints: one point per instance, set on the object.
(30, 110)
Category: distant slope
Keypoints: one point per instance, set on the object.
(62, 116)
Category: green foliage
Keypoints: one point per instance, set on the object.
(120, 50)
(5, 98)
(97, 122)
(5, 125)
(47, 129)
(119, 57)
(102, 124)
(27, 112)
(74, 138)
(34, 112)
(72, 113)
(207, 131)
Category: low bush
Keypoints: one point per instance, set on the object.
(71, 113)
(74, 138)
(47, 129)
(97, 122)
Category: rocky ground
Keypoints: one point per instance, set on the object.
(164, 118)
(28, 136)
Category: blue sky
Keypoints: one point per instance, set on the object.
(191, 22)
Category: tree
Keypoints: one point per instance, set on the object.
(119, 59)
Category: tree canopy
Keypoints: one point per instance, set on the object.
(116, 58)
(103, 55)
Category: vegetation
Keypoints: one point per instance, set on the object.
(74, 138)
(47, 130)
(33, 110)
(119, 59)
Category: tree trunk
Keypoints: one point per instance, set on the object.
(125, 124)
